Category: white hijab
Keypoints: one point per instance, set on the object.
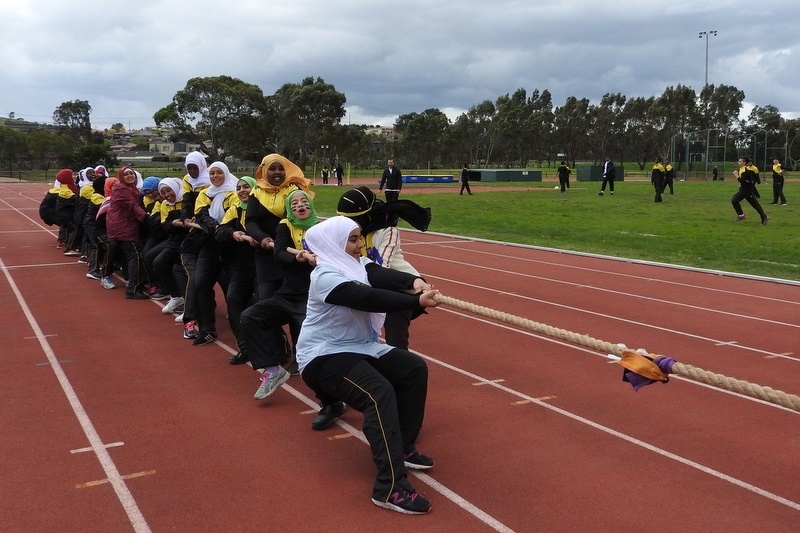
(175, 185)
(327, 240)
(202, 179)
(83, 179)
(218, 194)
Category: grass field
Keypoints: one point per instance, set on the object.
(693, 227)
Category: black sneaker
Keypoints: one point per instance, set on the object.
(328, 415)
(417, 461)
(94, 274)
(138, 295)
(239, 359)
(404, 500)
(205, 338)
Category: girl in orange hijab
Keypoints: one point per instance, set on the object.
(276, 178)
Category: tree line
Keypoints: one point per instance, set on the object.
(229, 117)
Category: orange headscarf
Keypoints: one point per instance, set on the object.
(294, 175)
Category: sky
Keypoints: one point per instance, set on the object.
(389, 57)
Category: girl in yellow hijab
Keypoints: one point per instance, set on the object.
(276, 178)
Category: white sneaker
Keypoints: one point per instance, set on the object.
(179, 318)
(172, 305)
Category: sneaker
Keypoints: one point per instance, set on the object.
(328, 415)
(764, 221)
(612, 193)
(72, 253)
(239, 359)
(189, 330)
(137, 295)
(740, 218)
(206, 338)
(404, 500)
(417, 461)
(600, 193)
(179, 318)
(270, 383)
(784, 203)
(93, 274)
(61, 244)
(172, 305)
(157, 295)
(83, 259)
(106, 283)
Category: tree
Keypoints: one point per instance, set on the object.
(305, 113)
(570, 125)
(421, 135)
(211, 111)
(46, 147)
(13, 146)
(74, 119)
(606, 127)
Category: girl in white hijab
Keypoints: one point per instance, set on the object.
(341, 358)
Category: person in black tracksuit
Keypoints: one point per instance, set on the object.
(669, 177)
(747, 176)
(392, 181)
(262, 322)
(609, 175)
(777, 182)
(465, 181)
(563, 176)
(241, 264)
(657, 178)
(165, 258)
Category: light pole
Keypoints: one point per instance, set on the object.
(706, 34)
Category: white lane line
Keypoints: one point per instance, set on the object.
(733, 344)
(432, 483)
(494, 269)
(627, 438)
(612, 359)
(120, 488)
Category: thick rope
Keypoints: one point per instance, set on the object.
(789, 401)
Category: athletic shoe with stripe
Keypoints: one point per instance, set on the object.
(404, 500)
(270, 383)
(417, 461)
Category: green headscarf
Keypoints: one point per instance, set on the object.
(302, 224)
(252, 183)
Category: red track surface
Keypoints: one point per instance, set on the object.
(111, 421)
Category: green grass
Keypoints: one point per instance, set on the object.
(694, 227)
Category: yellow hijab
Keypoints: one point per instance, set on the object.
(294, 175)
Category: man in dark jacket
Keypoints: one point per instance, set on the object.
(392, 179)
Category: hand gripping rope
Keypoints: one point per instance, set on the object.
(641, 368)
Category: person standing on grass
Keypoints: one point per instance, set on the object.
(465, 181)
(340, 356)
(669, 176)
(563, 176)
(339, 172)
(609, 175)
(777, 183)
(657, 178)
(392, 180)
(747, 176)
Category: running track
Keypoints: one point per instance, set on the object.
(112, 422)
